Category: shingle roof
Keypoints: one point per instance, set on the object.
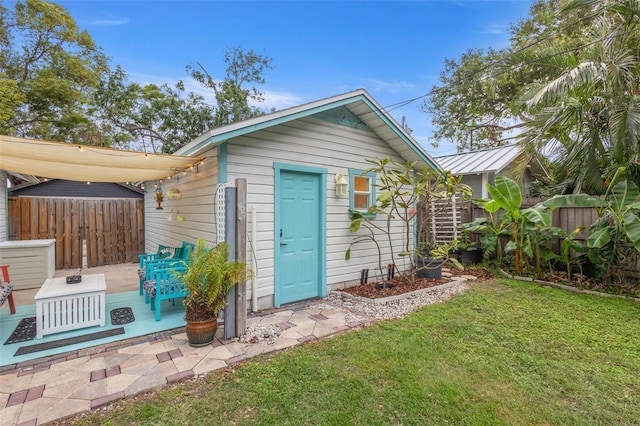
(486, 160)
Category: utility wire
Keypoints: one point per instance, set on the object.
(557, 32)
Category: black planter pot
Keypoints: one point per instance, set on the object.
(429, 268)
(470, 257)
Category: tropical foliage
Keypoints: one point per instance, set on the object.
(475, 105)
(209, 276)
(611, 247)
(588, 117)
(615, 236)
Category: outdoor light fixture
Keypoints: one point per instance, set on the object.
(174, 194)
(342, 186)
(159, 197)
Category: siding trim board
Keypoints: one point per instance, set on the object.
(372, 187)
(430, 162)
(222, 162)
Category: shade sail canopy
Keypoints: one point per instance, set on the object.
(58, 160)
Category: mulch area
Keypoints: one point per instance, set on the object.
(374, 290)
(583, 282)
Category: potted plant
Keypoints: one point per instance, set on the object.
(470, 253)
(209, 276)
(429, 261)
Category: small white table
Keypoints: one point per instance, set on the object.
(62, 307)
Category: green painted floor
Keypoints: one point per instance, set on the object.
(172, 317)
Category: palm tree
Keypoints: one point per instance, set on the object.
(588, 118)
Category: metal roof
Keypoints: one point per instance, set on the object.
(359, 102)
(475, 162)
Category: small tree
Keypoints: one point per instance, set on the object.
(401, 188)
(232, 97)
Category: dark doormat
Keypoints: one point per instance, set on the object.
(25, 330)
(121, 316)
(69, 341)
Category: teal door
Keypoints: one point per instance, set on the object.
(299, 235)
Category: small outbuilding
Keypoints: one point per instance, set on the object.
(298, 217)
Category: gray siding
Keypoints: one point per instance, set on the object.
(475, 182)
(197, 207)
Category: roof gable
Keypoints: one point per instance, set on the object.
(356, 109)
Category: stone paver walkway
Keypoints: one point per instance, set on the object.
(44, 390)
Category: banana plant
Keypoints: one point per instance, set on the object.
(491, 228)
(616, 233)
(620, 215)
(569, 243)
(507, 195)
(536, 236)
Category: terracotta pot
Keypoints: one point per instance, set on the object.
(201, 333)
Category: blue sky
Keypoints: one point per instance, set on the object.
(393, 49)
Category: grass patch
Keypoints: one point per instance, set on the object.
(506, 352)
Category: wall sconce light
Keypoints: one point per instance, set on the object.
(159, 197)
(342, 186)
(174, 194)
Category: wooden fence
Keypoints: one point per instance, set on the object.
(566, 218)
(106, 231)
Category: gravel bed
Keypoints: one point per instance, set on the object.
(264, 334)
(357, 310)
(393, 309)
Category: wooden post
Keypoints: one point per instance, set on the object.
(241, 253)
(230, 237)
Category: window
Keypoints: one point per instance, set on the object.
(362, 192)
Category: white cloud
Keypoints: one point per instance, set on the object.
(280, 100)
(494, 29)
(389, 86)
(110, 21)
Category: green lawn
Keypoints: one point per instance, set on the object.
(506, 352)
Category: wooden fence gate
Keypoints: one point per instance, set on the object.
(106, 231)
